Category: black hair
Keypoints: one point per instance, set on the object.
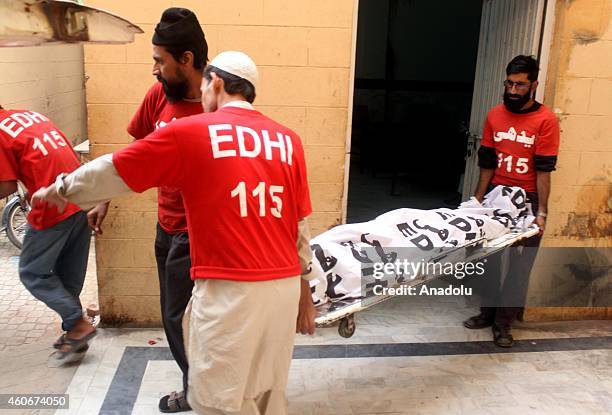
(232, 84)
(524, 64)
(200, 55)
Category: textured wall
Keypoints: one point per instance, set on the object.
(47, 79)
(579, 89)
(303, 51)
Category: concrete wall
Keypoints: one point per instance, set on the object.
(579, 89)
(303, 50)
(47, 79)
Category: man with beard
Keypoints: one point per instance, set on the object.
(180, 53)
(519, 148)
(243, 180)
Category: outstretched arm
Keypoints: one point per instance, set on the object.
(89, 185)
(150, 162)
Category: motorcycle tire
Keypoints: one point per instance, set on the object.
(16, 224)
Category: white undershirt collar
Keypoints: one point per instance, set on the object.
(239, 104)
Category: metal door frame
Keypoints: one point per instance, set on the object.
(542, 39)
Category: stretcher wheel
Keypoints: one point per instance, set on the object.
(347, 326)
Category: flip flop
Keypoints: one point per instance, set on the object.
(60, 342)
(76, 349)
(57, 360)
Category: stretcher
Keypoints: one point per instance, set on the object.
(344, 310)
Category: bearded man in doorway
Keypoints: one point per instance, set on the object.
(519, 147)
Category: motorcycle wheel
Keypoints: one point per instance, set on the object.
(17, 224)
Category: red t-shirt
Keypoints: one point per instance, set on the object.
(34, 151)
(155, 112)
(517, 138)
(243, 180)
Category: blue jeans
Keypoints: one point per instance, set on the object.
(53, 264)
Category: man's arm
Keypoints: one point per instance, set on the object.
(545, 160)
(89, 185)
(306, 311)
(95, 217)
(139, 127)
(487, 161)
(7, 188)
(486, 175)
(543, 184)
(153, 161)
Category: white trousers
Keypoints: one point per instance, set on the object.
(239, 340)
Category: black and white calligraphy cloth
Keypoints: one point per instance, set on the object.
(342, 254)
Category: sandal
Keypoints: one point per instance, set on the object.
(59, 342)
(175, 402)
(74, 346)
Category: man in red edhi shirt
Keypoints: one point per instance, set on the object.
(180, 53)
(243, 181)
(53, 259)
(519, 148)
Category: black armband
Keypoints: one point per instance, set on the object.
(545, 163)
(487, 159)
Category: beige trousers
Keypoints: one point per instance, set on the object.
(239, 341)
(269, 403)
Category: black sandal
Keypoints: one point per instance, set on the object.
(175, 402)
(74, 346)
(59, 342)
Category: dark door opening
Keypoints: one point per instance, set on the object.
(414, 80)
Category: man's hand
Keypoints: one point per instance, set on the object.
(306, 312)
(96, 216)
(541, 222)
(49, 195)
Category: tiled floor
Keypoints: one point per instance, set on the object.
(122, 373)
(422, 361)
(27, 329)
(24, 319)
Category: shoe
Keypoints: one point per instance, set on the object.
(478, 322)
(502, 336)
(175, 402)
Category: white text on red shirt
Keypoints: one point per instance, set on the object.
(17, 122)
(231, 141)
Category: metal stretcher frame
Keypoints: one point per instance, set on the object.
(345, 310)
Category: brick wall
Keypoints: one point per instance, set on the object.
(581, 93)
(47, 79)
(579, 89)
(303, 51)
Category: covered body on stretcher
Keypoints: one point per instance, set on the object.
(349, 260)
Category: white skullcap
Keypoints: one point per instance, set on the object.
(237, 63)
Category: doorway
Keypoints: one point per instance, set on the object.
(426, 73)
(414, 80)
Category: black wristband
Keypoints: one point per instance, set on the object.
(487, 159)
(545, 163)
